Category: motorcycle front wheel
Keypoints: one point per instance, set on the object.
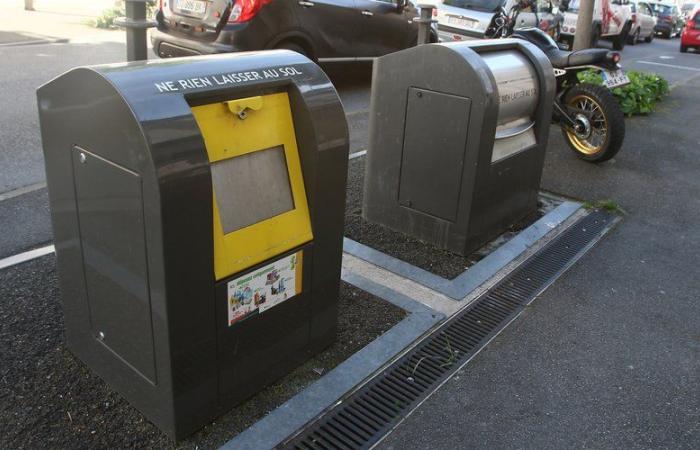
(600, 124)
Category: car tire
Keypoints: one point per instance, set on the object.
(649, 38)
(684, 49)
(621, 39)
(595, 37)
(619, 42)
(293, 46)
(634, 38)
(557, 33)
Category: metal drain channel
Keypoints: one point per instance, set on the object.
(372, 410)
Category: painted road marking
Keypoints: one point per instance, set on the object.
(22, 191)
(357, 154)
(26, 256)
(673, 66)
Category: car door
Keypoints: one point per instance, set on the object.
(385, 27)
(332, 26)
(647, 19)
(615, 14)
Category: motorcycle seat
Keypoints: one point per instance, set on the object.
(561, 59)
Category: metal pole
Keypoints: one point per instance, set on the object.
(584, 25)
(136, 25)
(424, 22)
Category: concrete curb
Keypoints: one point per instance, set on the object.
(470, 279)
(327, 391)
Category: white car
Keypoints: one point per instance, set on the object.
(643, 23)
(612, 20)
(470, 19)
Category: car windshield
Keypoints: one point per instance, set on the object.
(482, 5)
(574, 5)
(660, 9)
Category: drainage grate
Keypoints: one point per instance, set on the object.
(370, 412)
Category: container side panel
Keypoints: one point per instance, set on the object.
(433, 152)
(110, 211)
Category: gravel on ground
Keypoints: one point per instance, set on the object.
(411, 250)
(50, 399)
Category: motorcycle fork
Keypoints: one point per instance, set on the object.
(561, 113)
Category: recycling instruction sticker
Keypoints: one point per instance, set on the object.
(264, 288)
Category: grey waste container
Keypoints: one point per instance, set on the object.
(458, 133)
(197, 209)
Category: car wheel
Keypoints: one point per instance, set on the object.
(649, 38)
(684, 49)
(620, 40)
(634, 38)
(595, 37)
(293, 46)
(556, 33)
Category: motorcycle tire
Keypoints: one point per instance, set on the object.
(600, 112)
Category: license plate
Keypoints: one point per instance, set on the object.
(191, 6)
(614, 78)
(461, 22)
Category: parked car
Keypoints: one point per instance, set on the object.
(317, 28)
(643, 23)
(668, 19)
(612, 20)
(473, 19)
(690, 37)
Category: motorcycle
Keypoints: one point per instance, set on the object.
(590, 117)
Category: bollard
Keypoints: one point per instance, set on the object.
(424, 22)
(136, 25)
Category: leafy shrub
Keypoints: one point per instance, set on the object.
(106, 20)
(638, 97)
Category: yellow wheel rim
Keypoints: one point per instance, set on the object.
(595, 137)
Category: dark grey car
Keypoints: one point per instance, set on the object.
(320, 29)
(669, 21)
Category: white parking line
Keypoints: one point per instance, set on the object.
(673, 66)
(21, 191)
(357, 154)
(26, 256)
